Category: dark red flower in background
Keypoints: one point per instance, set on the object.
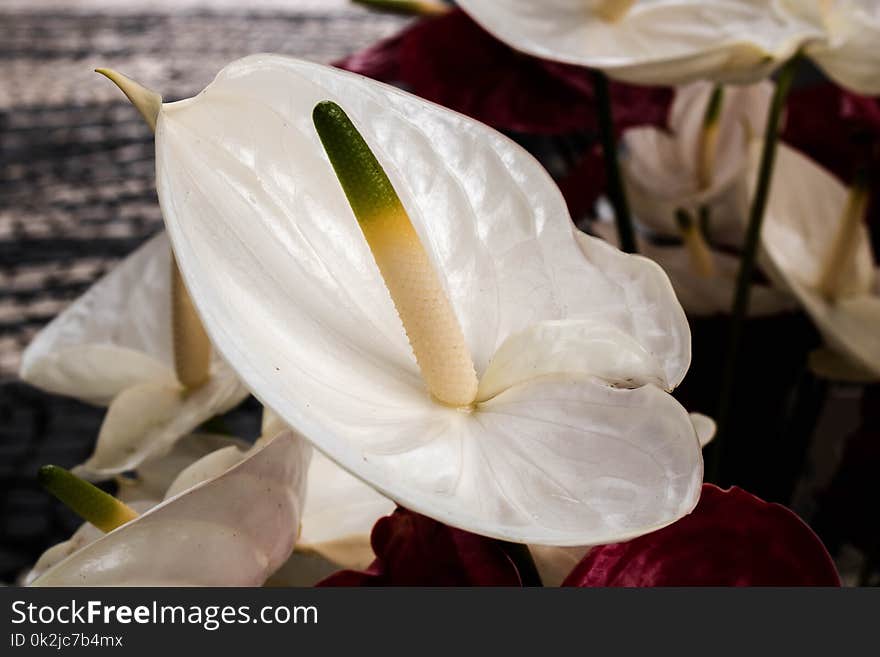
(452, 61)
(732, 538)
(414, 550)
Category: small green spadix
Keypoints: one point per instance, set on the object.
(408, 7)
(418, 294)
(86, 500)
(192, 348)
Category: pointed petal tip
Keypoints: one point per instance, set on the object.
(146, 101)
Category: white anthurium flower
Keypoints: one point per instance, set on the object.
(581, 445)
(699, 163)
(849, 52)
(817, 244)
(115, 346)
(235, 529)
(664, 42)
(688, 189)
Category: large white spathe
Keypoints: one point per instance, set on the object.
(232, 530)
(291, 296)
(113, 346)
(652, 41)
(804, 213)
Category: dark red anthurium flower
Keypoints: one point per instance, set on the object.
(452, 61)
(732, 538)
(414, 550)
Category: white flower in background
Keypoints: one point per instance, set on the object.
(553, 357)
(652, 41)
(688, 190)
(115, 346)
(235, 529)
(817, 244)
(849, 52)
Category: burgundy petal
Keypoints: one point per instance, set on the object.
(732, 538)
(414, 550)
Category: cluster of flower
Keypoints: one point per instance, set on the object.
(404, 288)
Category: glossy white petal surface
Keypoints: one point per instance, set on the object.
(291, 296)
(234, 530)
(85, 535)
(657, 41)
(114, 336)
(145, 421)
(804, 211)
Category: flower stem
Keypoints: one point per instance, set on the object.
(616, 193)
(747, 263)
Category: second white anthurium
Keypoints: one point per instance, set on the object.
(652, 41)
(688, 189)
(817, 244)
(115, 346)
(848, 53)
(563, 431)
(248, 516)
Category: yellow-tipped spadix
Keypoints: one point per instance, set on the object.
(699, 252)
(192, 349)
(86, 500)
(613, 10)
(708, 143)
(146, 101)
(418, 294)
(841, 256)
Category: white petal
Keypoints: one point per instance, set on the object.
(705, 428)
(146, 420)
(656, 42)
(804, 212)
(291, 296)
(339, 514)
(572, 346)
(602, 464)
(234, 530)
(849, 53)
(85, 535)
(116, 335)
(849, 326)
(155, 476)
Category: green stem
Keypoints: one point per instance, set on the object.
(616, 193)
(747, 264)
